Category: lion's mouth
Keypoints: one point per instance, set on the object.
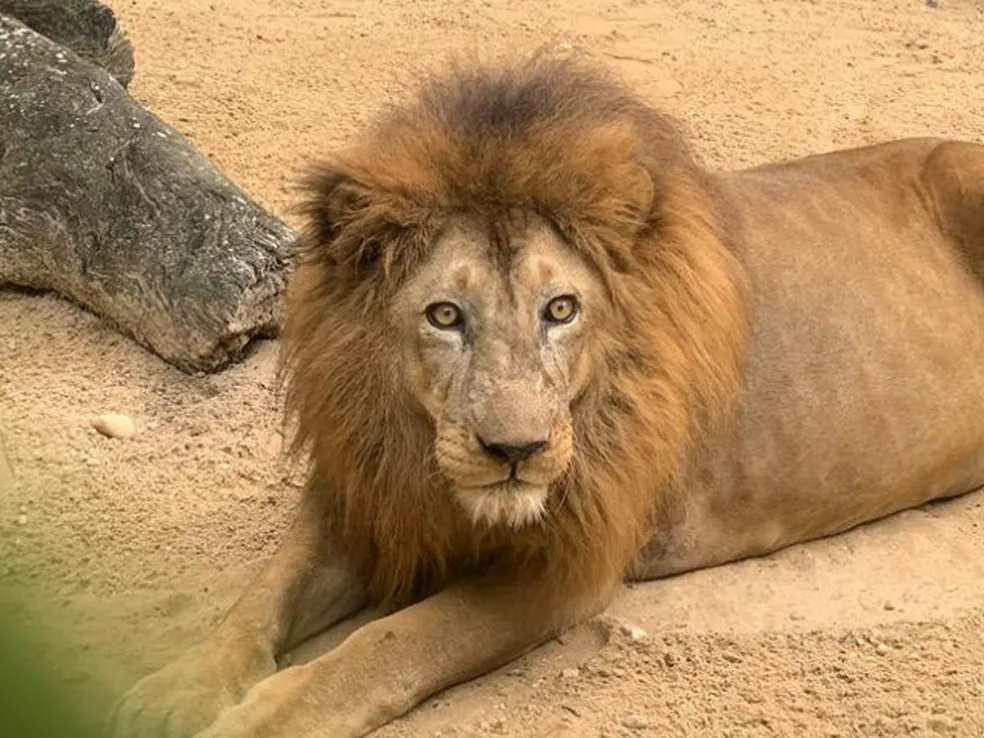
(512, 478)
(505, 479)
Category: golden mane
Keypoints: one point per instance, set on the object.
(557, 139)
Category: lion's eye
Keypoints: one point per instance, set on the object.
(561, 309)
(444, 315)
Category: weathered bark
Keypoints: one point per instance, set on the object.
(87, 27)
(106, 205)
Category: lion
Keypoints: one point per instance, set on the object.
(534, 349)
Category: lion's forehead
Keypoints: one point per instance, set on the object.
(500, 274)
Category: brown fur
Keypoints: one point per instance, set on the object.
(614, 177)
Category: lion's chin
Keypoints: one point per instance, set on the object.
(511, 503)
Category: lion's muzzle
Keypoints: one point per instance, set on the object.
(502, 482)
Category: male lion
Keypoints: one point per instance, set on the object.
(533, 348)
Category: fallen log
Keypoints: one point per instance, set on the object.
(87, 27)
(106, 205)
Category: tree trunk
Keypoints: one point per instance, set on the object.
(106, 205)
(87, 27)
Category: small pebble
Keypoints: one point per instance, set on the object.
(669, 658)
(22, 519)
(570, 673)
(635, 722)
(634, 633)
(732, 657)
(881, 649)
(114, 425)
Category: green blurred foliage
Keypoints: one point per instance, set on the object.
(35, 701)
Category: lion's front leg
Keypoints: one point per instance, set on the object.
(304, 588)
(390, 665)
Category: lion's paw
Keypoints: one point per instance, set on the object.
(281, 706)
(188, 694)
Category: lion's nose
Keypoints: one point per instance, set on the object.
(512, 453)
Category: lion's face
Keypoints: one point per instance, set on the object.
(495, 350)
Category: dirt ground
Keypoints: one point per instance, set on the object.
(130, 549)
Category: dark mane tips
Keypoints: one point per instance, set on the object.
(513, 99)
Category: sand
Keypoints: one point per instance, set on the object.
(131, 548)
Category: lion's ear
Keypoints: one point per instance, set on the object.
(352, 225)
(333, 200)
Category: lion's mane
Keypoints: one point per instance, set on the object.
(561, 140)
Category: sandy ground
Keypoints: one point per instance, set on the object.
(131, 549)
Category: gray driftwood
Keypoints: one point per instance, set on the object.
(87, 27)
(106, 205)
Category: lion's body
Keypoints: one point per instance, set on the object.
(864, 373)
(741, 361)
